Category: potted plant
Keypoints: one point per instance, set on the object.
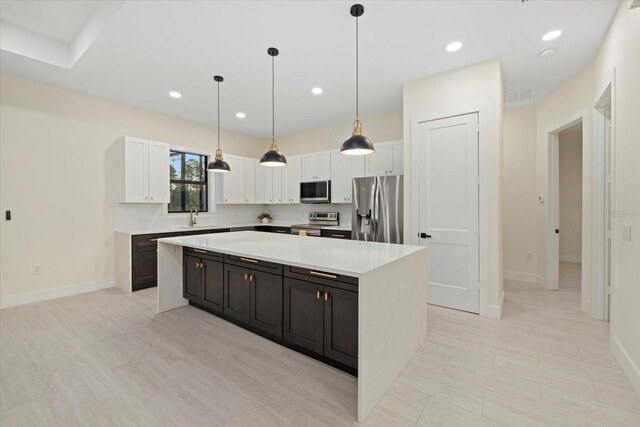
(265, 218)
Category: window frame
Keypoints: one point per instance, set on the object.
(206, 182)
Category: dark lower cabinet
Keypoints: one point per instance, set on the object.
(266, 302)
(303, 312)
(322, 319)
(203, 282)
(341, 325)
(144, 260)
(237, 293)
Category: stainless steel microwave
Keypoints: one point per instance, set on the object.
(315, 192)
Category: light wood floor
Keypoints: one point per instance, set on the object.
(105, 358)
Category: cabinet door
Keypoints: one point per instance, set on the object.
(158, 172)
(286, 182)
(378, 163)
(145, 267)
(277, 184)
(261, 188)
(213, 287)
(341, 326)
(340, 177)
(192, 281)
(250, 180)
(324, 166)
(266, 302)
(303, 314)
(136, 174)
(237, 293)
(309, 167)
(396, 158)
(295, 163)
(233, 182)
(355, 169)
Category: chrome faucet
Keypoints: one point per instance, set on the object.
(192, 220)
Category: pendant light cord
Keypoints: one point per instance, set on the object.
(218, 115)
(357, 72)
(273, 98)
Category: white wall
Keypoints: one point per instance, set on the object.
(576, 99)
(570, 192)
(54, 179)
(461, 91)
(520, 195)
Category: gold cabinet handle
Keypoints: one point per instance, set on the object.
(327, 296)
(246, 276)
(340, 236)
(197, 264)
(153, 240)
(328, 276)
(200, 251)
(255, 261)
(318, 294)
(151, 197)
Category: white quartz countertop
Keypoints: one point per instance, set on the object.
(177, 229)
(346, 257)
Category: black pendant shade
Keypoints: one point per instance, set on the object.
(218, 165)
(357, 144)
(273, 158)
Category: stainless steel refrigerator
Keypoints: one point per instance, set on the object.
(377, 209)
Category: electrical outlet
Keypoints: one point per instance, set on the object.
(530, 256)
(37, 269)
(626, 231)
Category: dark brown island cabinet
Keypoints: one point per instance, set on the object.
(313, 312)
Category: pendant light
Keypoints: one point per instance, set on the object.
(358, 144)
(273, 157)
(218, 165)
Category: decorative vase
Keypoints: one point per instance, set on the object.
(265, 220)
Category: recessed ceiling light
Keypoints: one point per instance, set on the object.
(551, 35)
(316, 91)
(452, 47)
(241, 115)
(547, 52)
(175, 94)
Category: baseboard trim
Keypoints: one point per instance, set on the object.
(520, 276)
(571, 258)
(53, 293)
(495, 311)
(628, 366)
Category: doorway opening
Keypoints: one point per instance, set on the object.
(570, 209)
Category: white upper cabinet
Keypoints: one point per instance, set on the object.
(250, 167)
(316, 166)
(277, 184)
(144, 172)
(387, 160)
(231, 184)
(291, 175)
(264, 180)
(343, 169)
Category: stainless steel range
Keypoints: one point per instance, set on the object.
(317, 221)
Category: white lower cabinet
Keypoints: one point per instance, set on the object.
(343, 169)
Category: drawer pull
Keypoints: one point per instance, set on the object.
(318, 294)
(200, 251)
(153, 240)
(328, 276)
(340, 236)
(255, 261)
(280, 231)
(327, 296)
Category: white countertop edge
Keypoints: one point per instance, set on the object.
(322, 268)
(219, 226)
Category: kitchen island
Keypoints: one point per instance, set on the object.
(372, 296)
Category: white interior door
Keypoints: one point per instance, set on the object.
(607, 218)
(448, 209)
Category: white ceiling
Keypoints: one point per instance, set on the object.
(150, 48)
(58, 20)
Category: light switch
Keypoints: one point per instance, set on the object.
(541, 198)
(626, 231)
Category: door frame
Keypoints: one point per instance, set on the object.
(600, 295)
(484, 120)
(553, 197)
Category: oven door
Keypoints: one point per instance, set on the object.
(315, 192)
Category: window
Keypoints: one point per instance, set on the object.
(188, 182)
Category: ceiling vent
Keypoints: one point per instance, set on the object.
(634, 4)
(520, 95)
